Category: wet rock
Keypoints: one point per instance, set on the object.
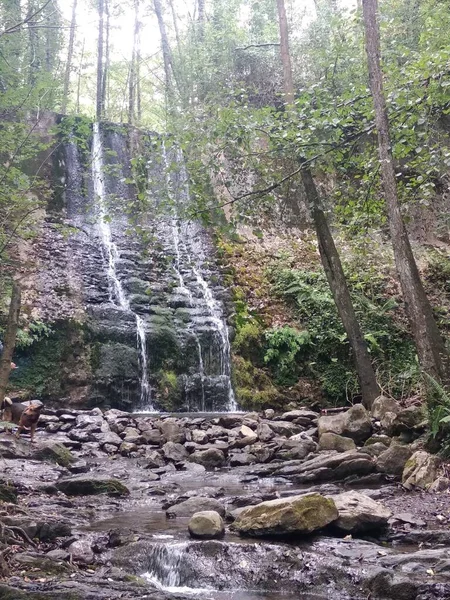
(383, 405)
(81, 552)
(127, 448)
(94, 423)
(373, 449)
(332, 441)
(379, 439)
(420, 470)
(392, 461)
(172, 432)
(54, 452)
(210, 458)
(174, 451)
(387, 585)
(152, 459)
(206, 525)
(8, 493)
(264, 432)
(79, 466)
(39, 564)
(355, 423)
(285, 428)
(358, 513)
(229, 421)
(262, 452)
(83, 485)
(296, 448)
(192, 505)
(110, 438)
(241, 459)
(153, 437)
(293, 515)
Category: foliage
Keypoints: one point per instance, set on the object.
(438, 402)
(284, 346)
(34, 332)
(254, 387)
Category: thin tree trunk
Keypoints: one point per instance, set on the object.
(99, 104)
(167, 53)
(79, 76)
(69, 58)
(285, 54)
(429, 343)
(201, 19)
(328, 253)
(132, 79)
(10, 339)
(338, 284)
(106, 61)
(175, 25)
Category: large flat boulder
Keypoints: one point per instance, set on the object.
(358, 513)
(355, 423)
(85, 485)
(297, 515)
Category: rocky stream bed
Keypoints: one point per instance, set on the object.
(340, 506)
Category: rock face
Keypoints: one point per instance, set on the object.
(358, 513)
(332, 441)
(355, 423)
(421, 470)
(392, 461)
(294, 515)
(206, 525)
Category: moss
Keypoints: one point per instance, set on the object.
(249, 342)
(56, 453)
(92, 487)
(8, 493)
(254, 388)
(168, 393)
(9, 593)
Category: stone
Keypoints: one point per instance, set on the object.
(358, 513)
(269, 413)
(110, 438)
(301, 413)
(86, 486)
(262, 452)
(210, 458)
(441, 484)
(174, 451)
(54, 452)
(296, 449)
(383, 405)
(264, 432)
(285, 428)
(373, 449)
(248, 434)
(127, 448)
(332, 441)
(192, 505)
(241, 459)
(153, 459)
(355, 423)
(199, 436)
(298, 515)
(206, 525)
(421, 470)
(81, 552)
(152, 437)
(379, 439)
(172, 432)
(392, 461)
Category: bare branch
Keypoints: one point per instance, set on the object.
(16, 27)
(267, 45)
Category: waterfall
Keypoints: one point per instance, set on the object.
(117, 294)
(184, 244)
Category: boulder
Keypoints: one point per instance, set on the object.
(286, 516)
(174, 451)
(358, 513)
(152, 436)
(210, 458)
(199, 436)
(392, 461)
(247, 433)
(241, 459)
(83, 485)
(355, 423)
(110, 438)
(172, 432)
(206, 525)
(332, 441)
(193, 505)
(383, 405)
(127, 448)
(54, 452)
(264, 432)
(421, 470)
(285, 428)
(81, 552)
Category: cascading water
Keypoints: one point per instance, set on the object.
(184, 245)
(117, 295)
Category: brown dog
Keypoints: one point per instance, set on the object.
(23, 415)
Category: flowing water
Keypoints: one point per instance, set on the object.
(117, 295)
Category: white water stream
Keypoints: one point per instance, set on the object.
(117, 295)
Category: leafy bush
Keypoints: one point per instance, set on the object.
(326, 353)
(284, 345)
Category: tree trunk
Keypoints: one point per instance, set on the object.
(10, 339)
(429, 343)
(69, 58)
(336, 279)
(328, 253)
(79, 77)
(132, 79)
(167, 53)
(285, 54)
(175, 26)
(201, 19)
(99, 106)
(106, 60)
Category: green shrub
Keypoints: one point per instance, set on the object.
(284, 345)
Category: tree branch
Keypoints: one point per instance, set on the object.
(16, 27)
(267, 45)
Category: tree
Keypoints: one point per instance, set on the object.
(429, 343)
(69, 57)
(10, 339)
(100, 81)
(328, 253)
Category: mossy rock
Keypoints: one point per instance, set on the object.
(8, 493)
(90, 486)
(295, 515)
(56, 453)
(9, 593)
